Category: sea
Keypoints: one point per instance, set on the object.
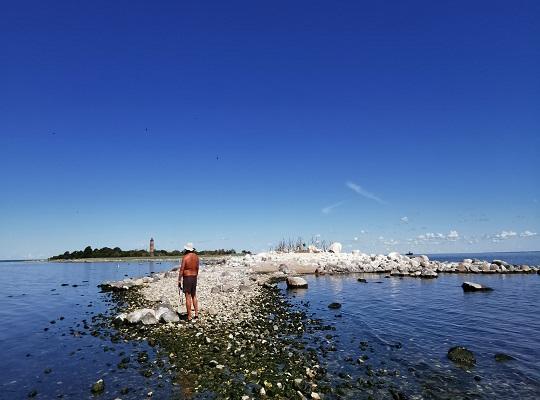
(400, 328)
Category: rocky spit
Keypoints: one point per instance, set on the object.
(226, 284)
(247, 342)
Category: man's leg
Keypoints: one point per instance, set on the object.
(196, 306)
(188, 306)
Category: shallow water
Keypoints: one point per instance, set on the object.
(410, 324)
(32, 297)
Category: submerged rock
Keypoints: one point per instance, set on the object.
(334, 306)
(296, 282)
(98, 387)
(462, 356)
(475, 287)
(501, 357)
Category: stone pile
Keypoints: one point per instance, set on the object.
(392, 263)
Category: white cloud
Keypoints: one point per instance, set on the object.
(355, 238)
(362, 192)
(435, 238)
(330, 208)
(405, 220)
(391, 242)
(453, 236)
(504, 235)
(528, 234)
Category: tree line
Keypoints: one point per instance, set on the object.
(117, 252)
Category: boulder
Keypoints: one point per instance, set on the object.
(462, 267)
(501, 263)
(428, 274)
(169, 316)
(149, 318)
(335, 247)
(475, 287)
(461, 356)
(395, 256)
(334, 306)
(265, 268)
(137, 315)
(295, 282)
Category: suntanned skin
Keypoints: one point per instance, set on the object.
(190, 267)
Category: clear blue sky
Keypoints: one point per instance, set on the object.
(386, 125)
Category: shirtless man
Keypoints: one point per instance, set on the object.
(187, 277)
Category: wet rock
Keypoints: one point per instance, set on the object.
(294, 282)
(362, 280)
(501, 357)
(461, 356)
(428, 274)
(475, 287)
(334, 306)
(98, 387)
(149, 319)
(32, 393)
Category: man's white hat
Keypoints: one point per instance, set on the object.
(189, 247)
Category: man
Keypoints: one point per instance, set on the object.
(187, 278)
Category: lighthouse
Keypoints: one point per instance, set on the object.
(151, 247)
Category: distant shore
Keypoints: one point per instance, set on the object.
(141, 259)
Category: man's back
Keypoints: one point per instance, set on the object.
(190, 265)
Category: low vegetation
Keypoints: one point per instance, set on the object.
(117, 252)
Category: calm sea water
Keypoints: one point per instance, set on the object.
(408, 323)
(63, 358)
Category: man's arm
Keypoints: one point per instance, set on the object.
(181, 272)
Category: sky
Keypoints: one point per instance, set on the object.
(385, 125)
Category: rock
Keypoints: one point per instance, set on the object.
(462, 356)
(98, 387)
(362, 280)
(335, 247)
(395, 256)
(462, 267)
(295, 282)
(149, 319)
(313, 249)
(315, 396)
(243, 288)
(475, 287)
(32, 393)
(501, 357)
(428, 274)
(137, 315)
(215, 290)
(501, 263)
(169, 316)
(334, 306)
(227, 288)
(265, 268)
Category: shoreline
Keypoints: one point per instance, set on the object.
(250, 342)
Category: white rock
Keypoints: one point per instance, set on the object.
(335, 247)
(296, 282)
